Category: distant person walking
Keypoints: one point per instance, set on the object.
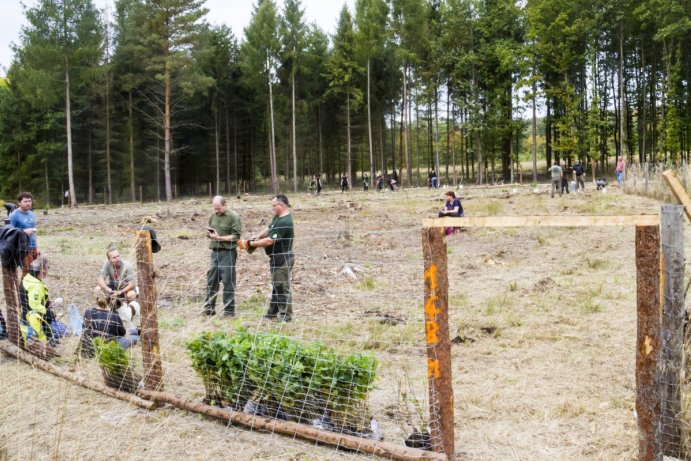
(344, 183)
(555, 173)
(620, 171)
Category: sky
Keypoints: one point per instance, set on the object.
(234, 13)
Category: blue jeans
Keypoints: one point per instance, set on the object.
(222, 269)
(620, 178)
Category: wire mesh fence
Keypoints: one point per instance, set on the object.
(543, 343)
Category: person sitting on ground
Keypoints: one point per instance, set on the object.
(451, 209)
(37, 310)
(601, 183)
(109, 321)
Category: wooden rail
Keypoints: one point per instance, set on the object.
(544, 221)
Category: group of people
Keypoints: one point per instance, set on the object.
(560, 177)
(117, 310)
(224, 234)
(115, 291)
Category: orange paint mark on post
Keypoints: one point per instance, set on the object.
(431, 277)
(431, 309)
(433, 368)
(431, 329)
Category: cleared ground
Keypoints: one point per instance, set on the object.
(543, 321)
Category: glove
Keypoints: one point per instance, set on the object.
(243, 244)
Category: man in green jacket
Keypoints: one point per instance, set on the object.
(277, 241)
(223, 232)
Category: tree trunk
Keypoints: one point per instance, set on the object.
(369, 128)
(108, 169)
(272, 140)
(348, 140)
(436, 132)
(130, 128)
(217, 148)
(68, 129)
(623, 128)
(534, 133)
(91, 170)
(404, 130)
(295, 150)
(166, 135)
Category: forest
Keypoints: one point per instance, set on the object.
(146, 100)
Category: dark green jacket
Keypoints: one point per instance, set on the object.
(226, 224)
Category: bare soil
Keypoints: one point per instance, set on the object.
(543, 323)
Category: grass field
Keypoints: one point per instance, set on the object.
(543, 322)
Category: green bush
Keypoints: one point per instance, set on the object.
(115, 365)
(292, 379)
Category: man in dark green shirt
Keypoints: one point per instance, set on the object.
(223, 232)
(277, 241)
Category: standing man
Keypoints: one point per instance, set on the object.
(578, 169)
(555, 173)
(23, 218)
(224, 232)
(277, 240)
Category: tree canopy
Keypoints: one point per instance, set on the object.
(146, 100)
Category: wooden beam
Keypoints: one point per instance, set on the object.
(672, 336)
(678, 190)
(438, 341)
(648, 342)
(151, 355)
(14, 351)
(10, 284)
(349, 442)
(543, 221)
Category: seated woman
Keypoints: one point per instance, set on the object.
(104, 322)
(451, 209)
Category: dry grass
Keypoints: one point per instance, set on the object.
(545, 322)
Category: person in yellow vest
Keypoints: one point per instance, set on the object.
(37, 309)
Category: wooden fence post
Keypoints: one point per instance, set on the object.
(672, 334)
(151, 357)
(648, 342)
(438, 341)
(10, 284)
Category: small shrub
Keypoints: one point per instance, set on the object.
(115, 365)
(285, 377)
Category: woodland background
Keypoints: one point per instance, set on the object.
(148, 101)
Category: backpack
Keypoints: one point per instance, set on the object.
(14, 246)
